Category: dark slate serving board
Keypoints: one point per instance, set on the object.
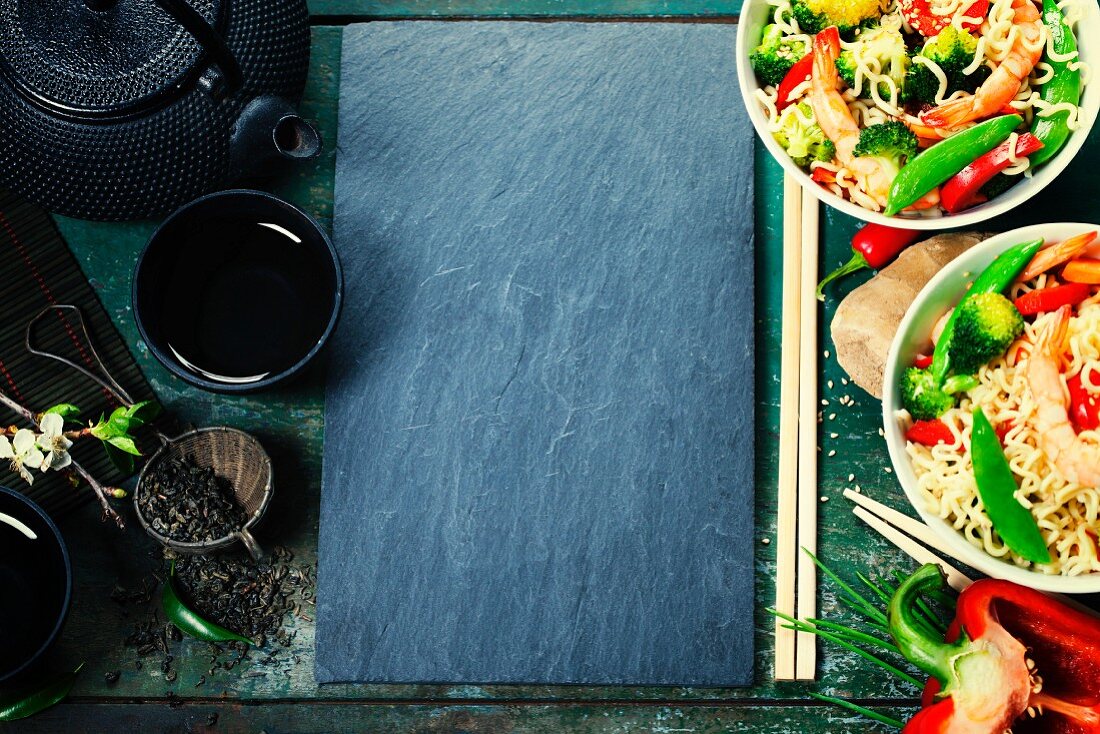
(539, 423)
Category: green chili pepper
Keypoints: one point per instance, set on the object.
(28, 703)
(997, 487)
(1064, 86)
(188, 621)
(994, 279)
(944, 159)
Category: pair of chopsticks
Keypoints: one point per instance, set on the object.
(904, 532)
(796, 575)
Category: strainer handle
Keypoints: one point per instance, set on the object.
(250, 544)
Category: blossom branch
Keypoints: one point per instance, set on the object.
(100, 491)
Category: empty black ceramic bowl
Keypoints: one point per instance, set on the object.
(36, 583)
(237, 291)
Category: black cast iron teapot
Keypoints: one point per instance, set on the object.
(125, 109)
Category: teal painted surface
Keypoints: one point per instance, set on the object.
(524, 8)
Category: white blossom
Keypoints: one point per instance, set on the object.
(54, 442)
(23, 454)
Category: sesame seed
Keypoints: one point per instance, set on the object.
(857, 489)
(832, 416)
(827, 354)
(766, 541)
(889, 470)
(832, 452)
(851, 477)
(830, 384)
(824, 402)
(824, 499)
(834, 435)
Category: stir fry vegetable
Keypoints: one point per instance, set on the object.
(936, 165)
(775, 56)
(986, 324)
(1064, 87)
(965, 189)
(1046, 300)
(815, 16)
(997, 487)
(953, 51)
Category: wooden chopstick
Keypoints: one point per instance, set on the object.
(956, 579)
(889, 522)
(806, 645)
(786, 551)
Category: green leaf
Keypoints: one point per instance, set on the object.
(188, 621)
(25, 703)
(124, 443)
(142, 413)
(121, 460)
(67, 411)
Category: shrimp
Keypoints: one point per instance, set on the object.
(1077, 460)
(836, 121)
(1004, 83)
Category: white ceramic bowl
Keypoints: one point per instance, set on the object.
(941, 294)
(757, 13)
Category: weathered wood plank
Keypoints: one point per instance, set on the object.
(324, 718)
(290, 422)
(523, 8)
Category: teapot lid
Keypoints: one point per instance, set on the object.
(99, 58)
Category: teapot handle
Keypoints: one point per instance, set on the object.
(208, 38)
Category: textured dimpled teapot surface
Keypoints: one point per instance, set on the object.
(147, 162)
(104, 62)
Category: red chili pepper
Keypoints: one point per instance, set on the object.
(981, 668)
(1084, 405)
(1046, 300)
(930, 433)
(964, 189)
(922, 361)
(798, 74)
(875, 246)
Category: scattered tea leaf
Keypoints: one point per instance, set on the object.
(28, 703)
(188, 621)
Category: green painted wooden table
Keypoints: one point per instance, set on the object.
(282, 697)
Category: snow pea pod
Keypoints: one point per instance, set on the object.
(25, 704)
(943, 160)
(997, 488)
(1063, 87)
(994, 279)
(188, 621)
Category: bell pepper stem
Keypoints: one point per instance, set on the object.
(918, 641)
(857, 263)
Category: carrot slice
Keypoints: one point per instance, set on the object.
(1055, 255)
(1082, 270)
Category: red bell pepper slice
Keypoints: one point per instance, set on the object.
(963, 190)
(798, 74)
(923, 361)
(1046, 300)
(930, 433)
(1084, 405)
(983, 684)
(920, 16)
(823, 176)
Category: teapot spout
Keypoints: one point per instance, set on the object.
(268, 130)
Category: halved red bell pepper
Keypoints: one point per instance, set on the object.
(797, 74)
(964, 189)
(981, 668)
(1046, 300)
(1084, 405)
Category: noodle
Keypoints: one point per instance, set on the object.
(1068, 514)
(875, 98)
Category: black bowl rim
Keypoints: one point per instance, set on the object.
(271, 380)
(67, 602)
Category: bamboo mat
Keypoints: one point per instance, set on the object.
(38, 270)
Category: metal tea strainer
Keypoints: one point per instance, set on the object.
(236, 457)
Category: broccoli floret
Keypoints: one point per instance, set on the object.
(885, 47)
(952, 50)
(921, 397)
(775, 56)
(801, 137)
(891, 143)
(987, 323)
(814, 16)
